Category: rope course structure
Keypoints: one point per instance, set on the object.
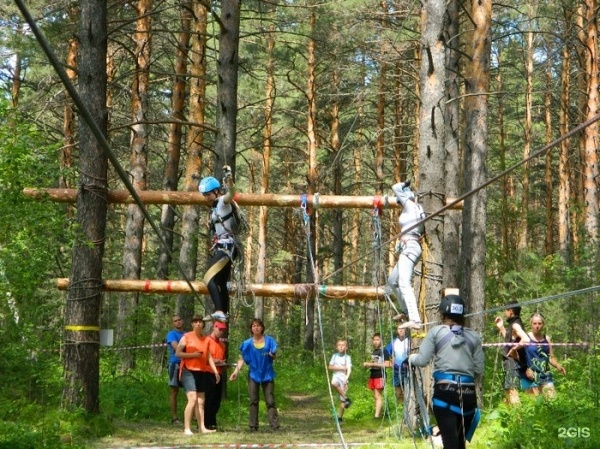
(418, 421)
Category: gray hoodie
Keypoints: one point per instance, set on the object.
(455, 357)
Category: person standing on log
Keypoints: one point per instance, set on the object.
(400, 280)
(224, 249)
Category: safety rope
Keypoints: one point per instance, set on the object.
(311, 261)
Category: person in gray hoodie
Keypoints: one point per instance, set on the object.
(458, 361)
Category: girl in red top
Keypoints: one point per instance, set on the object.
(196, 366)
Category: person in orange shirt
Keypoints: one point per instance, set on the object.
(196, 367)
(214, 393)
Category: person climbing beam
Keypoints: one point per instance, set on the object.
(399, 283)
(225, 248)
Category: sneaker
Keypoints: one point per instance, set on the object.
(340, 419)
(347, 403)
(400, 317)
(219, 316)
(175, 421)
(253, 429)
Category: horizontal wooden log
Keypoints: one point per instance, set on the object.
(361, 292)
(243, 199)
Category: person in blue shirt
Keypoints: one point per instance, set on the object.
(399, 350)
(172, 339)
(258, 352)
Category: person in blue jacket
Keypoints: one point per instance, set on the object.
(258, 352)
(172, 339)
(458, 361)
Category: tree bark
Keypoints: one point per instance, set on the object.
(476, 111)
(311, 130)
(188, 254)
(452, 166)
(227, 84)
(171, 172)
(138, 170)
(266, 167)
(590, 155)
(82, 316)
(432, 80)
(564, 168)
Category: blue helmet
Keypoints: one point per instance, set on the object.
(208, 184)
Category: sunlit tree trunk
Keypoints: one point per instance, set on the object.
(138, 170)
(549, 239)
(524, 221)
(564, 167)
(266, 167)
(171, 172)
(312, 145)
(590, 155)
(82, 314)
(475, 152)
(432, 80)
(188, 254)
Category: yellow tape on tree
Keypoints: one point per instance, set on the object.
(82, 328)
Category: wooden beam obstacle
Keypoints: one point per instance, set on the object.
(300, 291)
(243, 199)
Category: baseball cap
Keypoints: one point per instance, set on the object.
(220, 325)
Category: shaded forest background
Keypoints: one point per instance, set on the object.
(329, 99)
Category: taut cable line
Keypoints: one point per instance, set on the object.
(454, 202)
(97, 132)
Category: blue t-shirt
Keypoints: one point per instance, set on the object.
(259, 363)
(173, 336)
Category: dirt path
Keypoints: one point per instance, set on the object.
(308, 423)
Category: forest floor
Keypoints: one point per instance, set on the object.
(308, 422)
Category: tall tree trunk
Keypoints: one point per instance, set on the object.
(476, 111)
(82, 316)
(564, 167)
(171, 173)
(504, 182)
(590, 155)
(549, 238)
(188, 254)
(524, 222)
(311, 129)
(451, 237)
(432, 80)
(266, 167)
(227, 84)
(138, 170)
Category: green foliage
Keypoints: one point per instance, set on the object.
(30, 231)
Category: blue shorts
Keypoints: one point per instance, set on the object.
(540, 380)
(400, 375)
(174, 375)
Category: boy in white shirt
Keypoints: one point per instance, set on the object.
(341, 365)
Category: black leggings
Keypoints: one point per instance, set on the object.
(452, 425)
(217, 285)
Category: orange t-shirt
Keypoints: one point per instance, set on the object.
(193, 343)
(217, 350)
